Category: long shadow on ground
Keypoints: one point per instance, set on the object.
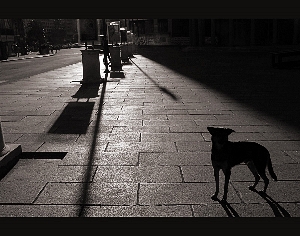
(75, 118)
(244, 75)
(86, 185)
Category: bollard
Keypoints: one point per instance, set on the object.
(115, 57)
(9, 154)
(4, 149)
(91, 66)
(130, 50)
(125, 53)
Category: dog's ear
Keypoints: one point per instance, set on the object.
(228, 131)
(211, 130)
(220, 131)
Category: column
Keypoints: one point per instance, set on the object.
(78, 31)
(201, 32)
(275, 31)
(296, 30)
(213, 32)
(170, 27)
(252, 32)
(155, 26)
(230, 32)
(193, 32)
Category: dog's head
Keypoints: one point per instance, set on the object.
(219, 136)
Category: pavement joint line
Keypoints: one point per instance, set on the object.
(181, 174)
(138, 194)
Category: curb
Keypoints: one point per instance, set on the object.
(23, 58)
(9, 159)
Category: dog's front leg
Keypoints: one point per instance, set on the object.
(227, 177)
(216, 175)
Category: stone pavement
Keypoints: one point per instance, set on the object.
(137, 145)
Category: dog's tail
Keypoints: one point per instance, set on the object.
(271, 170)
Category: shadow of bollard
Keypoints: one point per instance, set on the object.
(76, 116)
(74, 119)
(87, 91)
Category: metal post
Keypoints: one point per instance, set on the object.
(105, 46)
(4, 149)
(9, 154)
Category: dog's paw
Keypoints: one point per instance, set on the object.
(214, 197)
(251, 188)
(224, 201)
(262, 192)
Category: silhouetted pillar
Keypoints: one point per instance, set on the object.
(230, 32)
(155, 26)
(78, 31)
(213, 32)
(98, 31)
(274, 31)
(193, 32)
(296, 30)
(170, 27)
(201, 33)
(252, 32)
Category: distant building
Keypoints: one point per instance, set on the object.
(68, 28)
(216, 32)
(11, 37)
(189, 32)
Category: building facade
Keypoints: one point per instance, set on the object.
(189, 32)
(11, 37)
(215, 32)
(14, 34)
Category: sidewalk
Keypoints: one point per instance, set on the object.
(138, 144)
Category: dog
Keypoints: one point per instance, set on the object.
(226, 154)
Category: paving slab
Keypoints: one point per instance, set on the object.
(163, 137)
(153, 146)
(138, 211)
(97, 193)
(138, 174)
(180, 193)
(102, 159)
(31, 210)
(175, 159)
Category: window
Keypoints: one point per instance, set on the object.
(162, 26)
(180, 28)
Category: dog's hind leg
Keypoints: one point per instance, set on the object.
(252, 168)
(262, 174)
(227, 173)
(216, 175)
